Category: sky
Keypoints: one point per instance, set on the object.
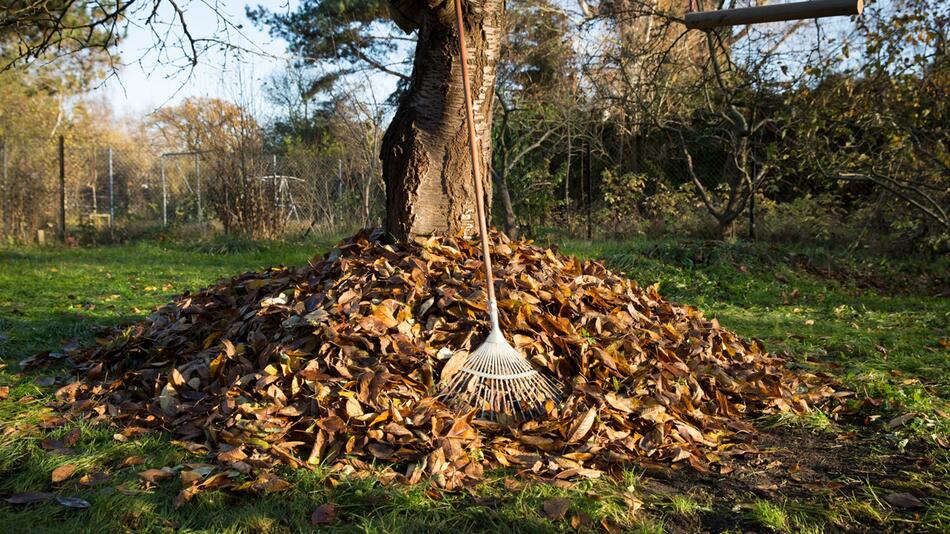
(149, 78)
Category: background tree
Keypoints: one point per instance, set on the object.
(424, 166)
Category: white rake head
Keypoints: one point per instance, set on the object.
(495, 379)
(500, 383)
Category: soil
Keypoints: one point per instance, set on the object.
(795, 465)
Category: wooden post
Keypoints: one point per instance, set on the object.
(62, 189)
(813, 9)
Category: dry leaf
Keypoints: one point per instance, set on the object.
(63, 472)
(323, 515)
(156, 475)
(555, 509)
(582, 426)
(904, 500)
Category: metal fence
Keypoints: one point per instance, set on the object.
(54, 189)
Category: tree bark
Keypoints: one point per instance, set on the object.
(424, 152)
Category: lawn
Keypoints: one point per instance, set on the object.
(881, 326)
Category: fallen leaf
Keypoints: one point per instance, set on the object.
(903, 500)
(29, 497)
(156, 475)
(901, 420)
(323, 515)
(63, 472)
(582, 426)
(555, 509)
(73, 502)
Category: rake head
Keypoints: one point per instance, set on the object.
(499, 382)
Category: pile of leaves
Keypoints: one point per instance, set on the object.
(337, 363)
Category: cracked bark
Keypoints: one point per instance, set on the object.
(424, 152)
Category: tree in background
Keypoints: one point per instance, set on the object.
(870, 126)
(424, 163)
(230, 143)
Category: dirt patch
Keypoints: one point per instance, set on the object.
(810, 469)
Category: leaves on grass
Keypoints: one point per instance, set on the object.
(156, 475)
(73, 502)
(901, 420)
(29, 497)
(555, 509)
(63, 472)
(903, 500)
(338, 363)
(323, 515)
(32, 497)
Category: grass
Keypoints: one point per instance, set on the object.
(885, 343)
(770, 516)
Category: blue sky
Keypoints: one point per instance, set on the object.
(148, 79)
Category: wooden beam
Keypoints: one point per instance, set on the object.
(707, 20)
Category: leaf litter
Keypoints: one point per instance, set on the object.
(337, 363)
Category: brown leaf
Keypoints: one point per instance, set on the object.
(156, 475)
(582, 426)
(380, 451)
(456, 362)
(904, 500)
(555, 509)
(235, 454)
(353, 408)
(132, 460)
(270, 483)
(324, 514)
(901, 420)
(72, 438)
(91, 479)
(63, 472)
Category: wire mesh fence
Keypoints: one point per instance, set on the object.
(103, 192)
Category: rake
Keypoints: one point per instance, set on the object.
(495, 380)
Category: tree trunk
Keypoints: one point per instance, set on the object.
(424, 152)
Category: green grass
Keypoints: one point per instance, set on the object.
(770, 516)
(883, 343)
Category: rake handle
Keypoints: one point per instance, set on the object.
(476, 170)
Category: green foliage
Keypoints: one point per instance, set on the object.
(339, 35)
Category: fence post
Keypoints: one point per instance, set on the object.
(198, 182)
(62, 189)
(276, 194)
(161, 166)
(111, 197)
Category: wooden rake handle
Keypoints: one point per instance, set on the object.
(473, 147)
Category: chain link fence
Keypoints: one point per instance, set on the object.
(102, 193)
